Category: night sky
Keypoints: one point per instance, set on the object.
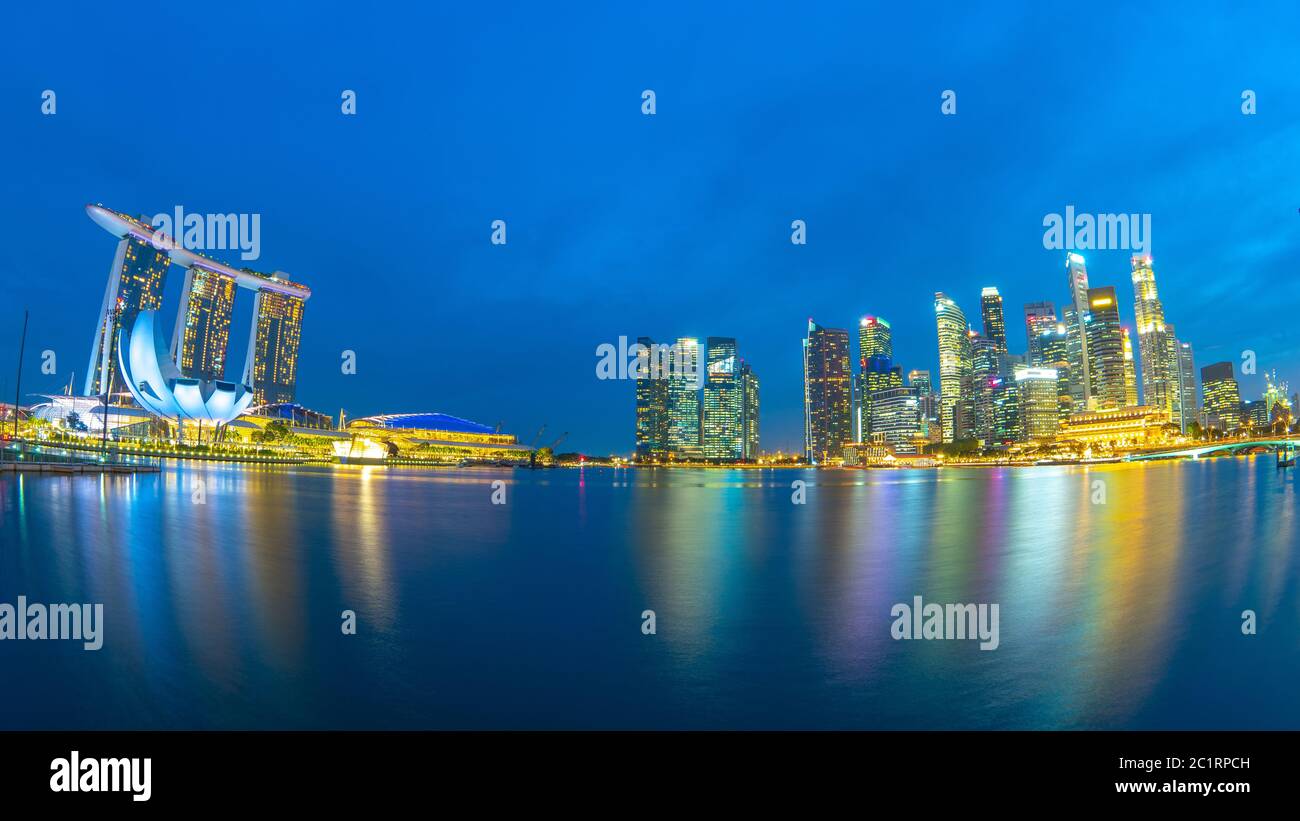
(667, 225)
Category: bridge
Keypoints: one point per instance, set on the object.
(1285, 447)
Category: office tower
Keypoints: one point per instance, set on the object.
(1155, 339)
(1039, 317)
(1186, 386)
(135, 284)
(1054, 353)
(878, 374)
(1007, 424)
(875, 339)
(749, 412)
(721, 434)
(1105, 344)
(1130, 371)
(896, 418)
(684, 399)
(651, 400)
(1075, 315)
(928, 403)
(277, 331)
(995, 323)
(1039, 403)
(1220, 396)
(202, 333)
(985, 371)
(955, 366)
(827, 394)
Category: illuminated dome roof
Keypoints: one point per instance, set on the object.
(424, 421)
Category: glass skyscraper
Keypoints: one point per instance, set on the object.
(827, 394)
(1104, 338)
(721, 433)
(1039, 317)
(1075, 316)
(749, 412)
(955, 367)
(1186, 385)
(1155, 340)
(875, 348)
(995, 323)
(1222, 398)
(684, 399)
(651, 400)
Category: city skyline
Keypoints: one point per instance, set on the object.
(636, 199)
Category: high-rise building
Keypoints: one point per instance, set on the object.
(985, 379)
(896, 418)
(1075, 315)
(1039, 403)
(995, 323)
(928, 403)
(1007, 424)
(277, 330)
(1221, 397)
(878, 374)
(684, 400)
(651, 400)
(955, 368)
(1186, 386)
(827, 394)
(1039, 317)
(1105, 344)
(1155, 339)
(202, 335)
(1277, 404)
(1054, 353)
(721, 432)
(1130, 371)
(749, 412)
(135, 284)
(875, 340)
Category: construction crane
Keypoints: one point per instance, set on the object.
(534, 451)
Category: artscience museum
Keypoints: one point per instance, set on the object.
(159, 386)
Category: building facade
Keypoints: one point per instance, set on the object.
(828, 394)
(955, 368)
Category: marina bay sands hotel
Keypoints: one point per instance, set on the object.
(201, 339)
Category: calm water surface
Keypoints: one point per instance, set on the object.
(226, 614)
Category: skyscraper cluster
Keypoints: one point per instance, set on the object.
(695, 405)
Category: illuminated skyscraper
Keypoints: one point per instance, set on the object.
(721, 432)
(1222, 398)
(995, 323)
(927, 401)
(277, 331)
(135, 284)
(1104, 338)
(985, 373)
(1155, 339)
(1186, 386)
(955, 367)
(1130, 372)
(1075, 316)
(749, 412)
(896, 418)
(1038, 399)
(875, 339)
(1054, 354)
(827, 394)
(651, 401)
(1039, 317)
(684, 399)
(202, 334)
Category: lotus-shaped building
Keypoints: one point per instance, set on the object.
(158, 385)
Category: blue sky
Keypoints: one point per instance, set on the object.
(676, 224)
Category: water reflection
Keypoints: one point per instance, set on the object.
(223, 588)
